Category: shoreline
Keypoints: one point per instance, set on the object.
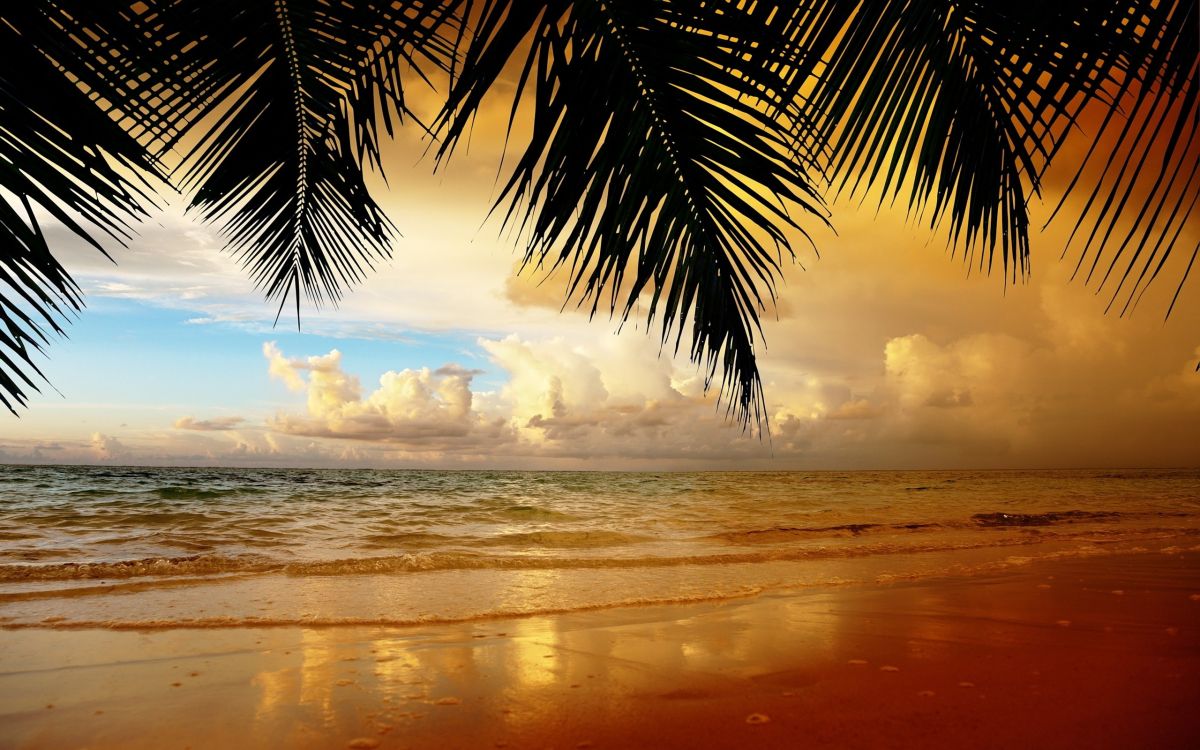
(1097, 651)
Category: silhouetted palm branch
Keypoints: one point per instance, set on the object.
(676, 144)
(293, 92)
(63, 157)
(963, 105)
(1154, 156)
(276, 104)
(652, 166)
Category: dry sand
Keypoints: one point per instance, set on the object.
(1096, 652)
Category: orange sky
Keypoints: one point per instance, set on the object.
(885, 353)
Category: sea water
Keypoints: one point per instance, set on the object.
(145, 548)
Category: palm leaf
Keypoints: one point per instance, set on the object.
(961, 106)
(61, 156)
(279, 112)
(1148, 151)
(653, 168)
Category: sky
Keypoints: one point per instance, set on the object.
(883, 352)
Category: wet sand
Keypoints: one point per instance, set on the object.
(1094, 652)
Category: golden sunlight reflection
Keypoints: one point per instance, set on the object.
(609, 676)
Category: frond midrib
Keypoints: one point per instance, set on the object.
(701, 219)
(289, 53)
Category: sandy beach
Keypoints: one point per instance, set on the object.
(1095, 652)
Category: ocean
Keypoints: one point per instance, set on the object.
(157, 548)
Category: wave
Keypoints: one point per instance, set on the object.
(92, 492)
(595, 539)
(746, 590)
(777, 534)
(216, 564)
(168, 492)
(123, 587)
(190, 565)
(1043, 519)
(532, 512)
(227, 623)
(411, 539)
(193, 493)
(566, 539)
(17, 536)
(780, 534)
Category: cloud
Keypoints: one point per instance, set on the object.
(613, 399)
(108, 448)
(610, 397)
(972, 394)
(431, 407)
(33, 454)
(216, 424)
(882, 355)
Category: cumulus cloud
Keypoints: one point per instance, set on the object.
(570, 400)
(216, 424)
(616, 398)
(108, 448)
(972, 393)
(409, 406)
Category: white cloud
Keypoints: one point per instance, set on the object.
(615, 400)
(433, 407)
(216, 424)
(108, 448)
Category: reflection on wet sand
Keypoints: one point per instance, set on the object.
(949, 661)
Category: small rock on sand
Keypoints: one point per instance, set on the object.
(757, 719)
(1118, 592)
(857, 662)
(344, 683)
(1195, 597)
(448, 701)
(1172, 631)
(889, 668)
(1043, 585)
(1063, 623)
(926, 693)
(363, 743)
(966, 684)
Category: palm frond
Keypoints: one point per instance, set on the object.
(61, 156)
(958, 105)
(279, 114)
(1147, 150)
(962, 106)
(653, 166)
